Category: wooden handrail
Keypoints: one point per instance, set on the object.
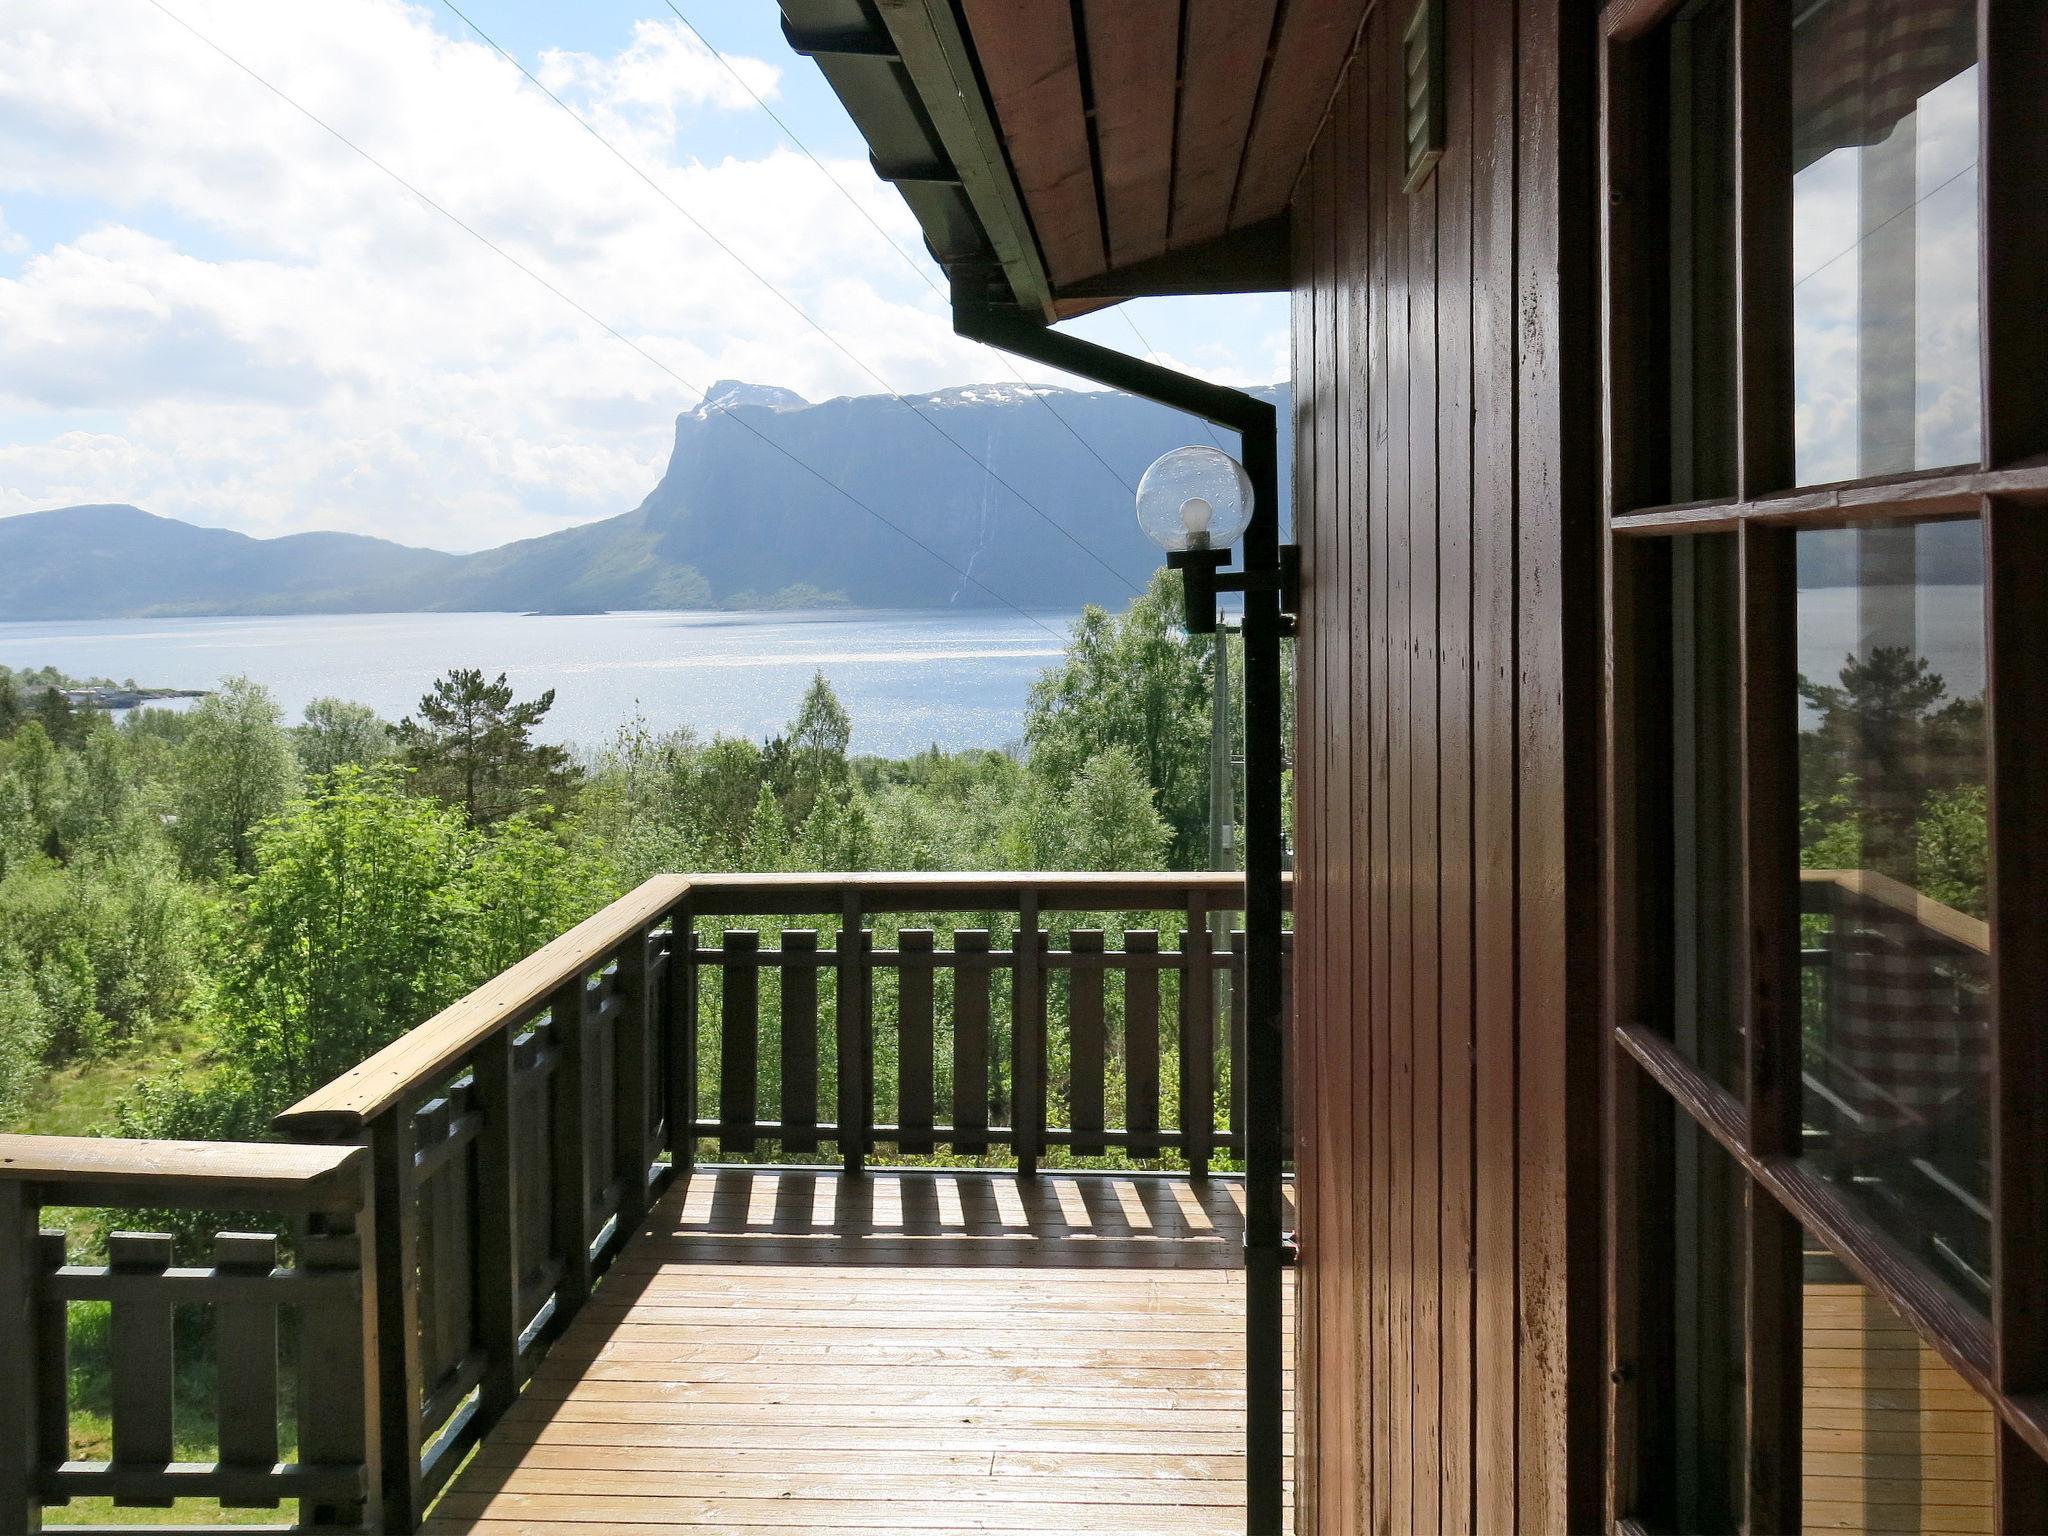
(345, 1105)
(95, 1170)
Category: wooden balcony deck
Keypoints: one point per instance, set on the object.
(801, 1351)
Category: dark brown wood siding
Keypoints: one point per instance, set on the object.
(1447, 791)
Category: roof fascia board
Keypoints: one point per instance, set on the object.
(937, 57)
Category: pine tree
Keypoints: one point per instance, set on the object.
(472, 746)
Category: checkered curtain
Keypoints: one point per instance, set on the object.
(1859, 66)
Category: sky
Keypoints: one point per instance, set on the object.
(213, 309)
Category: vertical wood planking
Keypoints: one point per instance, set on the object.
(798, 1110)
(1085, 1055)
(1141, 1042)
(914, 1041)
(1424, 518)
(1496, 672)
(739, 1038)
(338, 1347)
(245, 1355)
(970, 1040)
(1455, 667)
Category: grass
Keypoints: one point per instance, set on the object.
(84, 1098)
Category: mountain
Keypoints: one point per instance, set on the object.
(746, 515)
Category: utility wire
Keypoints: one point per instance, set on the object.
(887, 238)
(1884, 223)
(1152, 355)
(791, 304)
(606, 326)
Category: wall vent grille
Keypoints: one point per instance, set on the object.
(1422, 91)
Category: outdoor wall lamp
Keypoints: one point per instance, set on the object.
(1195, 503)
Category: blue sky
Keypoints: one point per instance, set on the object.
(210, 308)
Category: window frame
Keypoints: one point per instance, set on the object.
(1645, 1078)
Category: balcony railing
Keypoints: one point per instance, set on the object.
(506, 1150)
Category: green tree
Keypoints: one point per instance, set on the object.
(235, 769)
(814, 750)
(1140, 682)
(472, 745)
(1114, 824)
(336, 732)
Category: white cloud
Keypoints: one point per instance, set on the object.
(12, 242)
(263, 331)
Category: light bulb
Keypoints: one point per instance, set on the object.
(1195, 514)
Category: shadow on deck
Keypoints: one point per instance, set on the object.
(797, 1350)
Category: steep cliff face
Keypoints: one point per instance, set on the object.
(757, 507)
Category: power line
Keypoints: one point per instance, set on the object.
(887, 238)
(1883, 223)
(610, 330)
(1152, 355)
(795, 308)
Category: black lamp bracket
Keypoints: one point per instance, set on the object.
(1203, 576)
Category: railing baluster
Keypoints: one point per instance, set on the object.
(1141, 1042)
(799, 1109)
(1234, 981)
(500, 1223)
(1086, 1063)
(914, 1041)
(1027, 1036)
(632, 1149)
(680, 1026)
(569, 1149)
(855, 1067)
(1286, 1044)
(1197, 1044)
(245, 1360)
(739, 1040)
(51, 1321)
(970, 1040)
(142, 1343)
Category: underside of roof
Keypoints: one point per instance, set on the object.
(1066, 154)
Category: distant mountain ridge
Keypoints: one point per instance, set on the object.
(732, 523)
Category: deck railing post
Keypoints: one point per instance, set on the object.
(340, 1424)
(1197, 1042)
(400, 1389)
(496, 1214)
(20, 1438)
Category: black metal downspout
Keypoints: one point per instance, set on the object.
(1257, 425)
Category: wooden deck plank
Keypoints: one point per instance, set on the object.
(792, 1349)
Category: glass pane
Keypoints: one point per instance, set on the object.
(1702, 92)
(1893, 1439)
(1705, 783)
(1894, 944)
(1885, 237)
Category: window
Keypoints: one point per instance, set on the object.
(1828, 889)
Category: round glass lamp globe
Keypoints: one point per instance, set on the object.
(1194, 498)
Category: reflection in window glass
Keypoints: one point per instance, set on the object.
(1706, 1333)
(1895, 947)
(1885, 237)
(1893, 1439)
(1704, 783)
(1702, 245)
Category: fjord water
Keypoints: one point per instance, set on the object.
(909, 679)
